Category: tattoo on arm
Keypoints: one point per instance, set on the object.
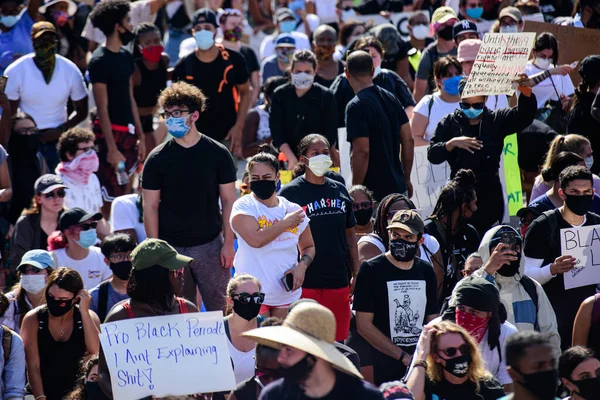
(306, 259)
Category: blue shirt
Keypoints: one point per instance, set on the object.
(112, 298)
(16, 42)
(543, 203)
(13, 381)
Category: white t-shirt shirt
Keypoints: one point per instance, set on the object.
(439, 109)
(544, 90)
(125, 215)
(45, 102)
(88, 197)
(496, 102)
(270, 262)
(267, 47)
(326, 11)
(93, 269)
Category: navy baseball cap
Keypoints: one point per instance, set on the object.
(285, 40)
(464, 26)
(75, 216)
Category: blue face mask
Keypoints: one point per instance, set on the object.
(471, 113)
(177, 127)
(475, 13)
(205, 39)
(9, 20)
(287, 26)
(451, 85)
(87, 238)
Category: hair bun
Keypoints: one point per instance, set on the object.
(547, 175)
(465, 178)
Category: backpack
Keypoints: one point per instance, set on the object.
(531, 290)
(6, 342)
(103, 300)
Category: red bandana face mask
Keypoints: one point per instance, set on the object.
(152, 53)
(476, 326)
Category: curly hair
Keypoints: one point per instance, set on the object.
(69, 141)
(183, 94)
(347, 30)
(106, 14)
(87, 363)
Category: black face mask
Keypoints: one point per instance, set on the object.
(248, 311)
(510, 269)
(126, 37)
(459, 366)
(121, 269)
(588, 388)
(580, 205)
(541, 384)
(263, 189)
(446, 33)
(58, 308)
(403, 250)
(298, 372)
(363, 216)
(93, 391)
(24, 144)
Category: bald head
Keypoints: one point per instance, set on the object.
(360, 64)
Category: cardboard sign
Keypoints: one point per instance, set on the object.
(427, 180)
(500, 59)
(399, 20)
(583, 243)
(574, 44)
(167, 355)
(512, 175)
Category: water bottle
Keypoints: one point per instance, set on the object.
(122, 176)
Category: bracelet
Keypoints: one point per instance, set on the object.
(420, 363)
(402, 355)
(39, 397)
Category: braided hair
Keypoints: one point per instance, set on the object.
(381, 221)
(460, 190)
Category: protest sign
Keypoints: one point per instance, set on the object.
(501, 57)
(512, 175)
(574, 44)
(167, 355)
(583, 243)
(344, 148)
(427, 180)
(399, 20)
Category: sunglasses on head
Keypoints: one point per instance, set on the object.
(60, 193)
(245, 298)
(451, 351)
(87, 227)
(476, 106)
(363, 205)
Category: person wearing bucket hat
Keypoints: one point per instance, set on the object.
(395, 295)
(311, 365)
(73, 246)
(157, 271)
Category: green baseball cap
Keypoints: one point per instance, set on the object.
(157, 252)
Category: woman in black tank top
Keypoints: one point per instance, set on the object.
(58, 334)
(149, 78)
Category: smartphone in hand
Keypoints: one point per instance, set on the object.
(288, 282)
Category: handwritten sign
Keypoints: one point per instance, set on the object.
(167, 355)
(427, 180)
(501, 57)
(512, 175)
(584, 244)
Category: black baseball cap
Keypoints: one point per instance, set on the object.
(205, 15)
(75, 216)
(464, 26)
(47, 183)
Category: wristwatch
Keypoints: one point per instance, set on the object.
(420, 363)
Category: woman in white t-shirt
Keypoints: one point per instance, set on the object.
(271, 231)
(447, 72)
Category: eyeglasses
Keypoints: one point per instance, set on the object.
(451, 351)
(119, 257)
(245, 298)
(476, 106)
(363, 205)
(87, 227)
(88, 148)
(27, 131)
(60, 193)
(174, 114)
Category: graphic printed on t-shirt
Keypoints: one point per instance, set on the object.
(94, 274)
(407, 301)
(317, 207)
(264, 222)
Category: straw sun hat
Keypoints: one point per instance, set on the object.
(308, 327)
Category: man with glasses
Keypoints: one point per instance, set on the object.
(58, 78)
(117, 250)
(182, 183)
(78, 229)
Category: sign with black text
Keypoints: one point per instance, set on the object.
(583, 243)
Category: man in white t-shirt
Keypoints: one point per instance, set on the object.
(127, 216)
(78, 228)
(286, 23)
(41, 84)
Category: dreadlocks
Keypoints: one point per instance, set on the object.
(460, 190)
(381, 220)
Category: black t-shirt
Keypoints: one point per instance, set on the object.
(489, 389)
(246, 390)
(329, 208)
(543, 242)
(377, 114)
(251, 59)
(114, 70)
(536, 138)
(346, 387)
(188, 180)
(217, 80)
(582, 122)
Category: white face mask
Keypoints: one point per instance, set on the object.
(509, 29)
(377, 71)
(33, 284)
(589, 161)
(420, 32)
(348, 15)
(320, 164)
(302, 80)
(542, 63)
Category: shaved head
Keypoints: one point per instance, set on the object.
(360, 64)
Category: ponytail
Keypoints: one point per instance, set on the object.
(57, 240)
(572, 143)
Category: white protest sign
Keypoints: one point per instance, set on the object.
(501, 57)
(583, 243)
(399, 20)
(167, 355)
(427, 180)
(344, 148)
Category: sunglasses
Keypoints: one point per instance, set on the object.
(87, 227)
(60, 193)
(476, 106)
(27, 131)
(363, 205)
(87, 149)
(245, 298)
(25, 269)
(451, 351)
(231, 11)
